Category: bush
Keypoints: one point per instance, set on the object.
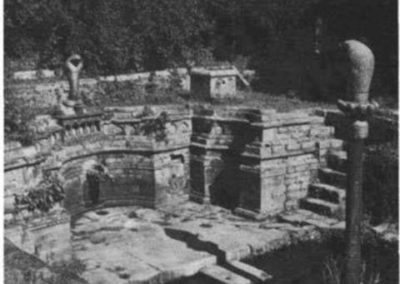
(277, 37)
(17, 115)
(379, 259)
(43, 197)
(113, 36)
(381, 183)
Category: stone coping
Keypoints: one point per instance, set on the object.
(80, 116)
(23, 162)
(17, 156)
(274, 157)
(221, 119)
(204, 71)
(148, 118)
(209, 147)
(232, 112)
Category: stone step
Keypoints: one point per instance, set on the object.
(254, 274)
(327, 192)
(218, 274)
(301, 217)
(319, 206)
(337, 160)
(332, 177)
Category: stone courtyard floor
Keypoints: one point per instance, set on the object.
(141, 245)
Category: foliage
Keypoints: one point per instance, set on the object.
(98, 173)
(277, 37)
(42, 198)
(156, 127)
(381, 182)
(379, 258)
(17, 115)
(134, 93)
(113, 36)
(334, 268)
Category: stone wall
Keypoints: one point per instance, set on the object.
(45, 235)
(44, 94)
(248, 159)
(146, 157)
(147, 165)
(257, 161)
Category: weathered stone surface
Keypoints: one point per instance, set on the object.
(255, 274)
(47, 236)
(213, 83)
(221, 275)
(134, 251)
(292, 146)
(227, 241)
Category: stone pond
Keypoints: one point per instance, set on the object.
(189, 190)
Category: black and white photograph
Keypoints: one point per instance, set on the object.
(200, 142)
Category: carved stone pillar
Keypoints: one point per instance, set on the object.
(361, 62)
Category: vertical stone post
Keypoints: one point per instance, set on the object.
(360, 61)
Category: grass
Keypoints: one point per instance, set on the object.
(133, 93)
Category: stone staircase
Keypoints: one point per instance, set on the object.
(327, 196)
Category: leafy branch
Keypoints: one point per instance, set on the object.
(47, 193)
(156, 126)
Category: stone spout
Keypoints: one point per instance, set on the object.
(74, 65)
(360, 70)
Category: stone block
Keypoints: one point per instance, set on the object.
(278, 150)
(272, 181)
(308, 145)
(293, 146)
(294, 187)
(284, 137)
(269, 134)
(213, 83)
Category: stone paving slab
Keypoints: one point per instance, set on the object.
(220, 275)
(142, 245)
(229, 241)
(119, 249)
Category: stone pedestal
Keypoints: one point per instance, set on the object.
(213, 82)
(282, 161)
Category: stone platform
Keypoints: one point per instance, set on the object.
(181, 239)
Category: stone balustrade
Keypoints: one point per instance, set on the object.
(76, 128)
